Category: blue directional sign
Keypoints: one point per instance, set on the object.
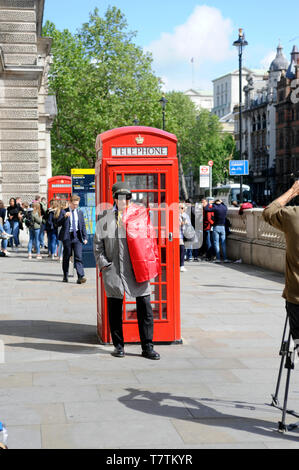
(239, 167)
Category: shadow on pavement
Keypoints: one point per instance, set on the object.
(200, 412)
(50, 330)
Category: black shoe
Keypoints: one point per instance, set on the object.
(81, 280)
(150, 353)
(65, 279)
(118, 352)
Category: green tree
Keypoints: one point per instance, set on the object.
(101, 80)
(200, 135)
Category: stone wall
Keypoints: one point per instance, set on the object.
(25, 157)
(255, 242)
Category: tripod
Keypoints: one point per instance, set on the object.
(288, 351)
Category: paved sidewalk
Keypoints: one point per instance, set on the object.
(59, 388)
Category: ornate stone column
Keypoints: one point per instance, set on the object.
(24, 145)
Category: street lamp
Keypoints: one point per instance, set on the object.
(241, 43)
(163, 101)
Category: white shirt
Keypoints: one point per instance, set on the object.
(76, 221)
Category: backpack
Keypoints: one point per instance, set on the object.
(28, 220)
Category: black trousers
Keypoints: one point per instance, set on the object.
(76, 246)
(145, 319)
(293, 313)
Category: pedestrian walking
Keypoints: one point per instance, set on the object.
(43, 205)
(51, 228)
(219, 234)
(123, 272)
(73, 235)
(208, 224)
(4, 229)
(62, 205)
(286, 219)
(13, 218)
(184, 220)
(34, 221)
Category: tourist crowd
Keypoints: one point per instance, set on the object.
(39, 220)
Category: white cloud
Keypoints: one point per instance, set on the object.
(268, 59)
(206, 36)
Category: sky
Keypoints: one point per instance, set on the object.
(177, 31)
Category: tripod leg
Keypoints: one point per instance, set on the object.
(281, 425)
(283, 352)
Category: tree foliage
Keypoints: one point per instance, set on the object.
(101, 80)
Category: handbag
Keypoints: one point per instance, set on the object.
(189, 233)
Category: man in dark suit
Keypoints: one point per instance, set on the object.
(73, 235)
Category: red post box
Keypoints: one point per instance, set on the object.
(59, 187)
(145, 158)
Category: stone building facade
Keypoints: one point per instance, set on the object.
(265, 117)
(287, 118)
(26, 110)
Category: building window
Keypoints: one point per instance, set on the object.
(264, 121)
(281, 141)
(280, 117)
(253, 125)
(259, 123)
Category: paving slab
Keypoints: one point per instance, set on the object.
(60, 388)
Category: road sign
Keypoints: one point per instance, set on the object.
(211, 163)
(205, 176)
(239, 167)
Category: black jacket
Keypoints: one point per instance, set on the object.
(220, 212)
(65, 223)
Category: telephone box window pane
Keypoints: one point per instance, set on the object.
(163, 218)
(163, 198)
(155, 295)
(164, 311)
(153, 198)
(61, 196)
(142, 181)
(131, 312)
(162, 181)
(163, 275)
(156, 311)
(164, 292)
(154, 217)
(163, 255)
(139, 198)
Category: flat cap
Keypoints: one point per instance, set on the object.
(120, 189)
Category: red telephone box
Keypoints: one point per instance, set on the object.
(145, 158)
(59, 187)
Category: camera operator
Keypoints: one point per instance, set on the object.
(286, 219)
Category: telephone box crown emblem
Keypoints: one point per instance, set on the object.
(139, 140)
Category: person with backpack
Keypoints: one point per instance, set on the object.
(33, 220)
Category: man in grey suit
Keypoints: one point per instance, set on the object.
(113, 259)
